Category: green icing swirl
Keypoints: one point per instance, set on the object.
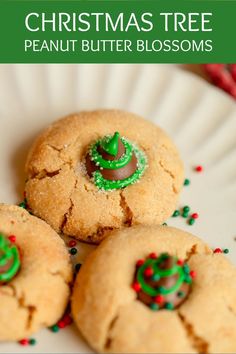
(111, 164)
(130, 148)
(182, 271)
(8, 252)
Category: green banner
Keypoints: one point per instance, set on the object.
(170, 31)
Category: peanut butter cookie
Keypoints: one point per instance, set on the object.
(93, 172)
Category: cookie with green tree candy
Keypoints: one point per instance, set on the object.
(93, 172)
(9, 260)
(156, 289)
(115, 163)
(162, 281)
(35, 274)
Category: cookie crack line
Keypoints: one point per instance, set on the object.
(65, 146)
(101, 231)
(108, 340)
(44, 174)
(198, 343)
(31, 309)
(69, 211)
(194, 251)
(107, 343)
(55, 148)
(191, 252)
(170, 174)
(66, 216)
(128, 214)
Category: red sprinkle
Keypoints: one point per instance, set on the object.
(153, 255)
(12, 238)
(199, 168)
(72, 243)
(159, 299)
(24, 341)
(67, 320)
(136, 286)
(148, 272)
(218, 250)
(195, 216)
(61, 324)
(139, 262)
(193, 274)
(180, 262)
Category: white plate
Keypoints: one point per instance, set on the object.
(200, 118)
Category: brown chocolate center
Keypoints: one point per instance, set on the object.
(112, 174)
(163, 300)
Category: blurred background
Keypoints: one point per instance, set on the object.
(221, 75)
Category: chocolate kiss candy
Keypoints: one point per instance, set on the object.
(162, 282)
(112, 150)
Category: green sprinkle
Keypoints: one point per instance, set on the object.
(175, 213)
(32, 341)
(185, 214)
(73, 251)
(169, 306)
(156, 277)
(180, 293)
(54, 328)
(77, 267)
(226, 250)
(23, 204)
(186, 182)
(161, 289)
(154, 306)
(186, 268)
(164, 224)
(188, 279)
(186, 209)
(191, 221)
(164, 256)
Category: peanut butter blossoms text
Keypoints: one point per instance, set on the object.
(114, 162)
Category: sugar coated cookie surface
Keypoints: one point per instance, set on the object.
(35, 274)
(156, 289)
(93, 172)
